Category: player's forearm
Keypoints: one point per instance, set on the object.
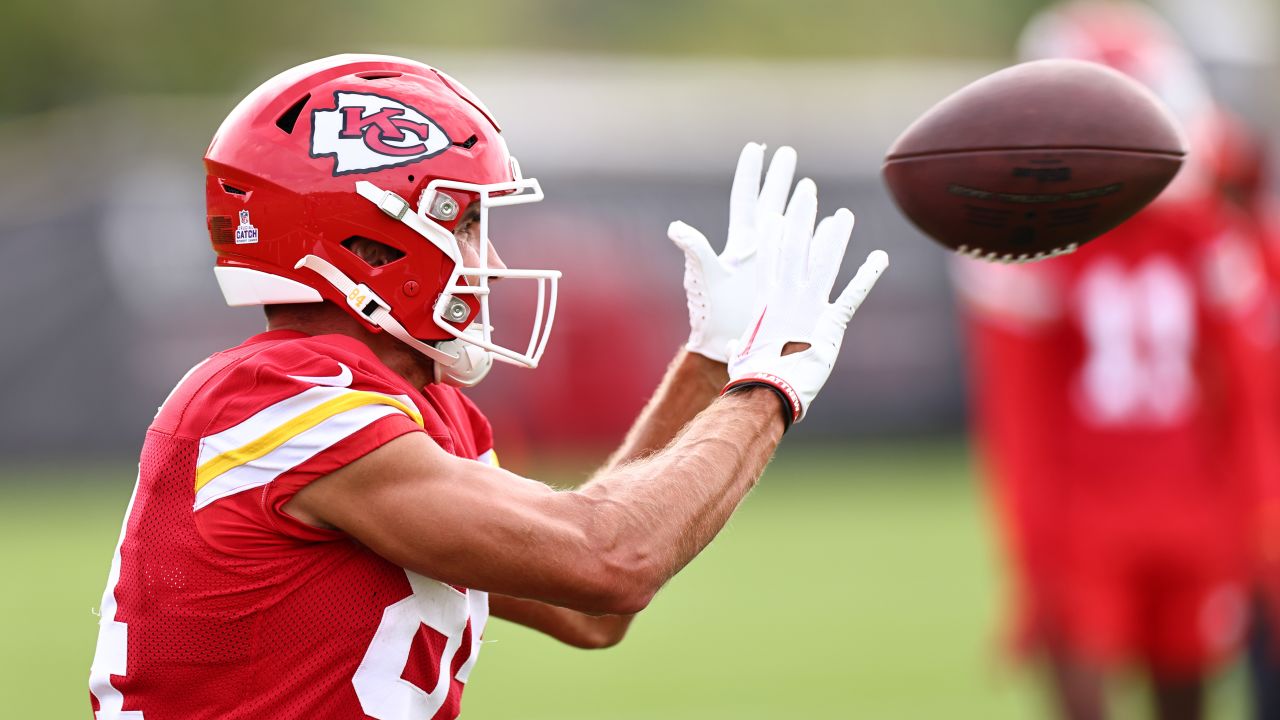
(690, 384)
(654, 515)
(568, 626)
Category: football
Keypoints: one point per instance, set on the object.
(1034, 160)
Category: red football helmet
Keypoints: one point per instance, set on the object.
(1131, 37)
(1126, 36)
(343, 148)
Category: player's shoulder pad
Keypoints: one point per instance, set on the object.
(304, 372)
(288, 402)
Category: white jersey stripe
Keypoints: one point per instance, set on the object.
(272, 417)
(111, 657)
(297, 450)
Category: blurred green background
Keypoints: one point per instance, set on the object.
(69, 51)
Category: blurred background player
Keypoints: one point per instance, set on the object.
(1121, 403)
(1239, 165)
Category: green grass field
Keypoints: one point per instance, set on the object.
(853, 584)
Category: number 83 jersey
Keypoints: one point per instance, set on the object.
(1145, 360)
(219, 604)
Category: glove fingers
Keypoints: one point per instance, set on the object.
(858, 288)
(692, 242)
(771, 243)
(746, 186)
(802, 212)
(777, 182)
(827, 252)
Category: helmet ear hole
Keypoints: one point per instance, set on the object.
(371, 252)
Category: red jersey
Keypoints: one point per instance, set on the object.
(219, 604)
(1133, 361)
(1117, 404)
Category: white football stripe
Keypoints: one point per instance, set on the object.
(297, 450)
(270, 418)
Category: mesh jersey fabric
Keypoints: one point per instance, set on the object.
(221, 605)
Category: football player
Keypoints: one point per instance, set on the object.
(1118, 408)
(320, 527)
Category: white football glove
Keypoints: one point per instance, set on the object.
(721, 289)
(798, 268)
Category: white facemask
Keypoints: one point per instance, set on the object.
(466, 359)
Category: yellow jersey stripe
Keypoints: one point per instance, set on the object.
(287, 431)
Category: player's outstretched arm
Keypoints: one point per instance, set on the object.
(604, 550)
(607, 547)
(691, 383)
(720, 290)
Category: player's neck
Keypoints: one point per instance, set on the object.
(326, 319)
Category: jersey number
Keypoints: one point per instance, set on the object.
(1140, 331)
(383, 693)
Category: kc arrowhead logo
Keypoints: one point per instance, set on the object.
(366, 132)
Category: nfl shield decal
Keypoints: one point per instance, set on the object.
(366, 132)
(246, 233)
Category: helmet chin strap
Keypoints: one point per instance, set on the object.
(457, 362)
(472, 365)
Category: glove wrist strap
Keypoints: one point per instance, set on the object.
(791, 410)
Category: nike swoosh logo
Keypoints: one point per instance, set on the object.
(342, 379)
